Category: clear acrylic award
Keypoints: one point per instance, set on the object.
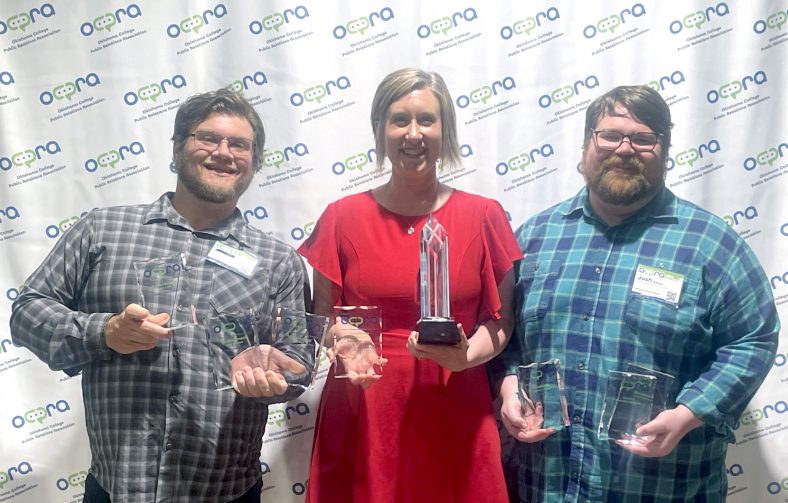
(159, 281)
(357, 341)
(240, 340)
(541, 391)
(628, 402)
(436, 325)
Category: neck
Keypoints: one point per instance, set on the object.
(200, 214)
(614, 214)
(412, 197)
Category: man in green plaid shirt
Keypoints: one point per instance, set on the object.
(625, 273)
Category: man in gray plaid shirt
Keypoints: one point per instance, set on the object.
(159, 429)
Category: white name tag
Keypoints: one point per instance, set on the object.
(239, 261)
(658, 284)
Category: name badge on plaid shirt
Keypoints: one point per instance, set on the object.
(658, 284)
(239, 261)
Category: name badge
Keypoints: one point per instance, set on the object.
(239, 261)
(658, 284)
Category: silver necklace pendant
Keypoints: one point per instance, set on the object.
(411, 230)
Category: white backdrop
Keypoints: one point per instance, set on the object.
(88, 92)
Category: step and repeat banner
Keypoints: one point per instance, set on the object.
(89, 90)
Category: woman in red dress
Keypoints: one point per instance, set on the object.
(424, 431)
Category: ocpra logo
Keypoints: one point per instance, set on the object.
(360, 24)
(194, 22)
(732, 89)
(567, 92)
(12, 294)
(299, 233)
(7, 476)
(784, 229)
(674, 78)
(466, 150)
(734, 470)
(608, 24)
(527, 25)
(484, 93)
(524, 159)
(55, 230)
(773, 487)
(275, 20)
(780, 359)
(4, 343)
(278, 415)
(319, 91)
(699, 18)
(9, 213)
(258, 213)
(274, 158)
(691, 156)
(239, 86)
(299, 488)
(27, 156)
(24, 19)
(446, 23)
(6, 78)
(69, 89)
(354, 162)
(39, 414)
(153, 90)
(768, 156)
(779, 279)
(776, 21)
(112, 157)
(110, 19)
(749, 213)
(74, 480)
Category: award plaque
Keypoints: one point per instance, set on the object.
(541, 391)
(357, 341)
(436, 325)
(629, 400)
(240, 340)
(159, 283)
(663, 389)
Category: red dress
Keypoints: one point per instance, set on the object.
(421, 433)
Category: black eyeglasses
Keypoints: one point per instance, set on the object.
(208, 140)
(608, 139)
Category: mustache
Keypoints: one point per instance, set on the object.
(616, 161)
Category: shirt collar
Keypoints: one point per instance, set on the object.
(661, 208)
(162, 210)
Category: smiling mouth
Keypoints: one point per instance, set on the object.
(414, 152)
(225, 170)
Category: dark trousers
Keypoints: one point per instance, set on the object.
(95, 494)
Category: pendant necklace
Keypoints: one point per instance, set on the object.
(412, 228)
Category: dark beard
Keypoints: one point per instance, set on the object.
(205, 192)
(616, 188)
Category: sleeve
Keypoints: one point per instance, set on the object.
(500, 252)
(45, 317)
(745, 331)
(321, 248)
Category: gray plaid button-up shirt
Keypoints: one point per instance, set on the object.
(158, 428)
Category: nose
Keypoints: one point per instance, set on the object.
(413, 132)
(222, 149)
(628, 150)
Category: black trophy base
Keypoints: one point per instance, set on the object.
(438, 331)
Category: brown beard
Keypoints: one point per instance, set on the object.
(206, 192)
(614, 187)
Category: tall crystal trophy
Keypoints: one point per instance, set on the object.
(247, 340)
(159, 283)
(628, 404)
(541, 391)
(436, 325)
(357, 341)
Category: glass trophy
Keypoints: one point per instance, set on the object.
(357, 341)
(663, 390)
(159, 283)
(436, 325)
(541, 391)
(628, 402)
(240, 340)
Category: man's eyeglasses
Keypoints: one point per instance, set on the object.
(608, 139)
(210, 141)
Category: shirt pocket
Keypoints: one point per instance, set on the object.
(232, 293)
(535, 287)
(649, 316)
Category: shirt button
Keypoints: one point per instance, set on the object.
(577, 419)
(586, 317)
(598, 270)
(173, 399)
(169, 446)
(176, 351)
(581, 366)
